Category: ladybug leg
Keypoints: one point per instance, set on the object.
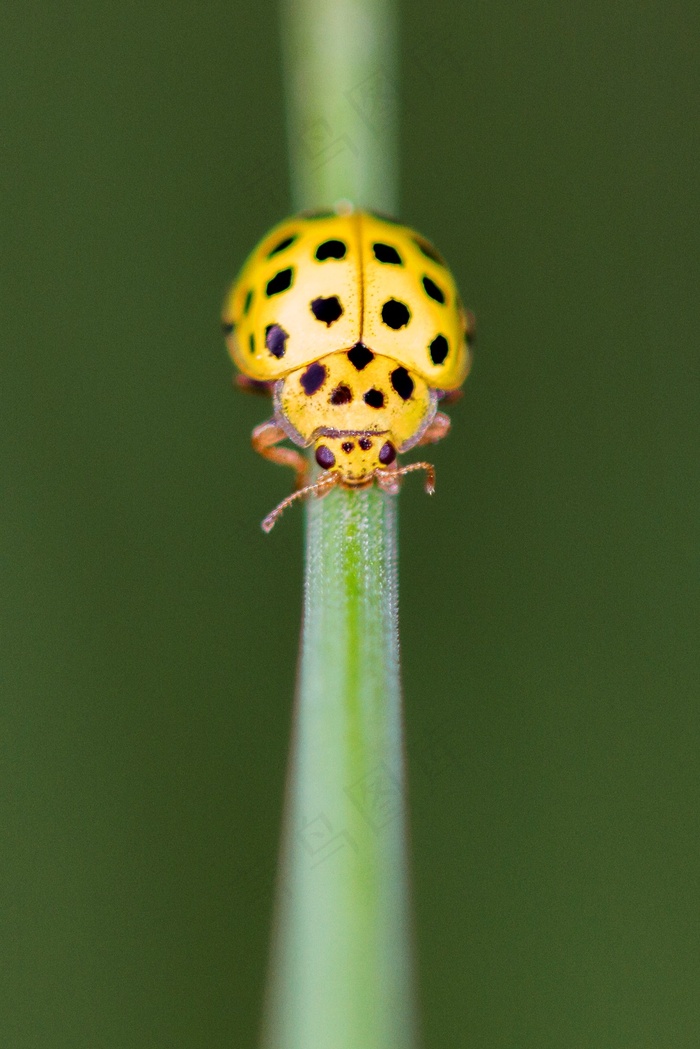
(264, 439)
(439, 428)
(242, 382)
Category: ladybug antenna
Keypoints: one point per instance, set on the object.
(387, 478)
(321, 487)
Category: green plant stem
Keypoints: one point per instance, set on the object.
(340, 60)
(340, 976)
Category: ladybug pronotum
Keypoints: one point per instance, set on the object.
(353, 323)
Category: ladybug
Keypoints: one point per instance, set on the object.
(352, 322)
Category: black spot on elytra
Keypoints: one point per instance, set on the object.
(331, 249)
(325, 457)
(428, 250)
(402, 383)
(365, 444)
(275, 339)
(251, 342)
(347, 446)
(387, 453)
(433, 290)
(248, 301)
(395, 314)
(359, 356)
(282, 246)
(385, 253)
(327, 310)
(341, 395)
(439, 348)
(280, 282)
(313, 378)
(227, 327)
(374, 398)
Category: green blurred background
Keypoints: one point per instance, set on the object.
(549, 592)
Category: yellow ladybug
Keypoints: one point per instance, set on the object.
(353, 323)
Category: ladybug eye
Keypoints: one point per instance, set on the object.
(387, 453)
(325, 457)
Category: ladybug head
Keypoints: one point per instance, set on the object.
(355, 457)
(354, 460)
